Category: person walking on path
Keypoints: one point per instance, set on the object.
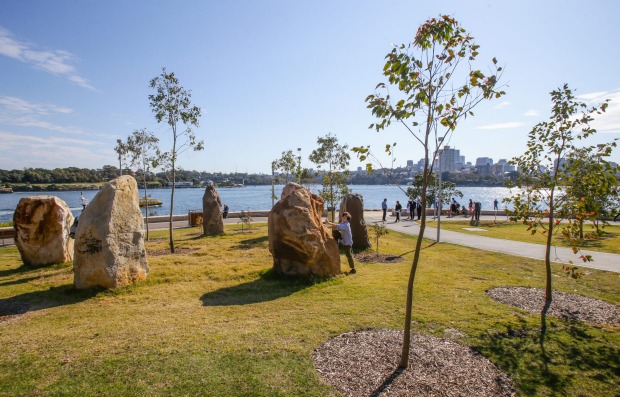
(411, 209)
(419, 208)
(495, 204)
(398, 207)
(384, 208)
(344, 227)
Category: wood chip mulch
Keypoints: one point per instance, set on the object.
(565, 305)
(177, 251)
(365, 363)
(371, 257)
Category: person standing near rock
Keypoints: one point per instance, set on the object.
(344, 228)
(83, 201)
(384, 208)
(225, 211)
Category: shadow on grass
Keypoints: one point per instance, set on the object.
(571, 353)
(268, 287)
(39, 300)
(252, 242)
(17, 270)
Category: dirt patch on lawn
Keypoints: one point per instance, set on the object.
(371, 257)
(365, 363)
(564, 305)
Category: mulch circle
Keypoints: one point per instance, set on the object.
(177, 251)
(371, 257)
(365, 363)
(565, 305)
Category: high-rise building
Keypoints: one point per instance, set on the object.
(484, 161)
(450, 160)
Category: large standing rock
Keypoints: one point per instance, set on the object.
(109, 240)
(212, 223)
(298, 241)
(354, 205)
(42, 226)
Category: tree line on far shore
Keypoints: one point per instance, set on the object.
(86, 176)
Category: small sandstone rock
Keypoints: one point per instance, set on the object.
(212, 223)
(354, 205)
(42, 226)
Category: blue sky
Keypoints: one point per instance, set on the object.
(274, 75)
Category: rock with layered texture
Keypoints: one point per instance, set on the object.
(109, 240)
(212, 222)
(298, 241)
(354, 205)
(42, 225)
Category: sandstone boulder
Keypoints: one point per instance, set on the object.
(212, 223)
(109, 240)
(42, 226)
(298, 241)
(354, 205)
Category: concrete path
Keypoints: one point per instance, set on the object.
(602, 260)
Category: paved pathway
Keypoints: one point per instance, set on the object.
(602, 260)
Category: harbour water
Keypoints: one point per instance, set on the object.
(252, 198)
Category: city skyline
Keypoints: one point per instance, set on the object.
(273, 76)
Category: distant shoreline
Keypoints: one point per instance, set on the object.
(97, 186)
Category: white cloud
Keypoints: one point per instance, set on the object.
(57, 62)
(608, 122)
(21, 106)
(15, 139)
(532, 113)
(502, 105)
(502, 126)
(19, 150)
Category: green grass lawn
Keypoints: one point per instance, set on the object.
(216, 322)
(609, 241)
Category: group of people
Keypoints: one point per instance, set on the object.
(413, 207)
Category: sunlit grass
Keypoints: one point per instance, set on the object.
(216, 321)
(609, 241)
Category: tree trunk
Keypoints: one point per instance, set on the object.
(146, 211)
(173, 160)
(548, 289)
(171, 210)
(404, 358)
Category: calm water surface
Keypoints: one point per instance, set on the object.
(250, 197)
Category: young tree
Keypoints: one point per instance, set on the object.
(121, 150)
(287, 164)
(336, 159)
(543, 173)
(380, 230)
(436, 87)
(144, 152)
(591, 190)
(172, 103)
